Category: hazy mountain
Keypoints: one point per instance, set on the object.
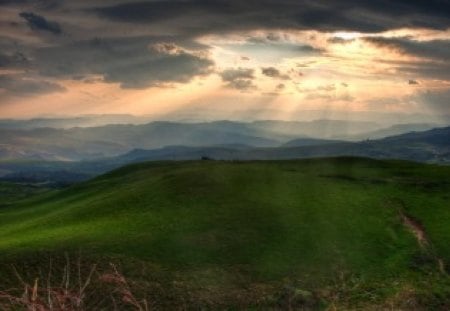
(431, 146)
(300, 142)
(95, 142)
(396, 129)
(246, 140)
(69, 122)
(428, 146)
(324, 129)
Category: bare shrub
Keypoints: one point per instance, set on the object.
(72, 288)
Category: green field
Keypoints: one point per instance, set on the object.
(240, 233)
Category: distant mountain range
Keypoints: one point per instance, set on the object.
(428, 146)
(69, 122)
(432, 146)
(27, 140)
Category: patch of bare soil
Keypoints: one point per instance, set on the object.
(416, 228)
(419, 232)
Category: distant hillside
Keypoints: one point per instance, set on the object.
(428, 146)
(431, 146)
(393, 130)
(301, 142)
(98, 142)
(69, 122)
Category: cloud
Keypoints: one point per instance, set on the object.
(412, 82)
(316, 96)
(239, 73)
(13, 60)
(240, 78)
(37, 22)
(242, 84)
(21, 86)
(117, 41)
(433, 56)
(201, 16)
(433, 49)
(280, 87)
(330, 97)
(12, 2)
(339, 40)
(345, 98)
(306, 64)
(167, 48)
(326, 88)
(273, 73)
(134, 62)
(435, 70)
(269, 51)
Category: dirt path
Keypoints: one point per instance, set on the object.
(416, 228)
(419, 232)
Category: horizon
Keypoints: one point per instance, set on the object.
(383, 119)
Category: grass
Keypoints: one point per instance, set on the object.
(226, 226)
(13, 192)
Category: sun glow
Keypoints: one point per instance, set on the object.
(347, 35)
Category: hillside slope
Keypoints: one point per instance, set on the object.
(227, 224)
(251, 210)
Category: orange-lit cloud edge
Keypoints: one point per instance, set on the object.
(348, 73)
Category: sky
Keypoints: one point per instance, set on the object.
(275, 59)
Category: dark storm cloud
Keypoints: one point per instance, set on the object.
(434, 49)
(9, 2)
(37, 22)
(13, 60)
(13, 56)
(39, 4)
(429, 70)
(134, 59)
(434, 55)
(239, 78)
(203, 16)
(134, 62)
(242, 84)
(273, 73)
(239, 73)
(22, 86)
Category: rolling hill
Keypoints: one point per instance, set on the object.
(247, 230)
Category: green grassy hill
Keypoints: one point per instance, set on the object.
(230, 225)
